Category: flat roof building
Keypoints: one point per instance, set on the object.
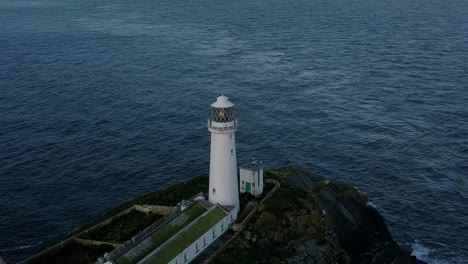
(251, 178)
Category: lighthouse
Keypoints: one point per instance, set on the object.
(223, 186)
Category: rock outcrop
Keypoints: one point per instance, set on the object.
(315, 221)
(288, 228)
(360, 228)
(2, 261)
(306, 220)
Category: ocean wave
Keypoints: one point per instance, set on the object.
(30, 243)
(21, 247)
(423, 252)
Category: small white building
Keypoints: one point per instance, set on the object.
(251, 178)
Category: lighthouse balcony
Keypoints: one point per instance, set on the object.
(222, 126)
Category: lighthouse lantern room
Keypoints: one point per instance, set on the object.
(223, 185)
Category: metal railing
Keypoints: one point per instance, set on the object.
(222, 126)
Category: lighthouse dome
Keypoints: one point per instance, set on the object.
(222, 102)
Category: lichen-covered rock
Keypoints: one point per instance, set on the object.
(360, 228)
(315, 221)
(288, 228)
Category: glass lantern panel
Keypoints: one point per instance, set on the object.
(222, 115)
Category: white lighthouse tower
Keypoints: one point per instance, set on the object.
(223, 186)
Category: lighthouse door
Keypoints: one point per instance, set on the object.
(247, 186)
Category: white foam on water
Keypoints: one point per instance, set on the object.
(419, 250)
(422, 252)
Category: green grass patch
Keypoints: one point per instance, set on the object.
(122, 228)
(164, 234)
(72, 253)
(271, 174)
(187, 237)
(167, 197)
(284, 200)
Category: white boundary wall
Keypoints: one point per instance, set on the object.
(205, 240)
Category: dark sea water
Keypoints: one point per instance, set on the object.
(101, 101)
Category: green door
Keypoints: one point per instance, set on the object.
(247, 186)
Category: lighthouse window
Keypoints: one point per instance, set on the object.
(214, 190)
(230, 136)
(232, 151)
(222, 115)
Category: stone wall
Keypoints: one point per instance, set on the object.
(156, 209)
(128, 245)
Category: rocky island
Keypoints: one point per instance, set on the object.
(306, 220)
